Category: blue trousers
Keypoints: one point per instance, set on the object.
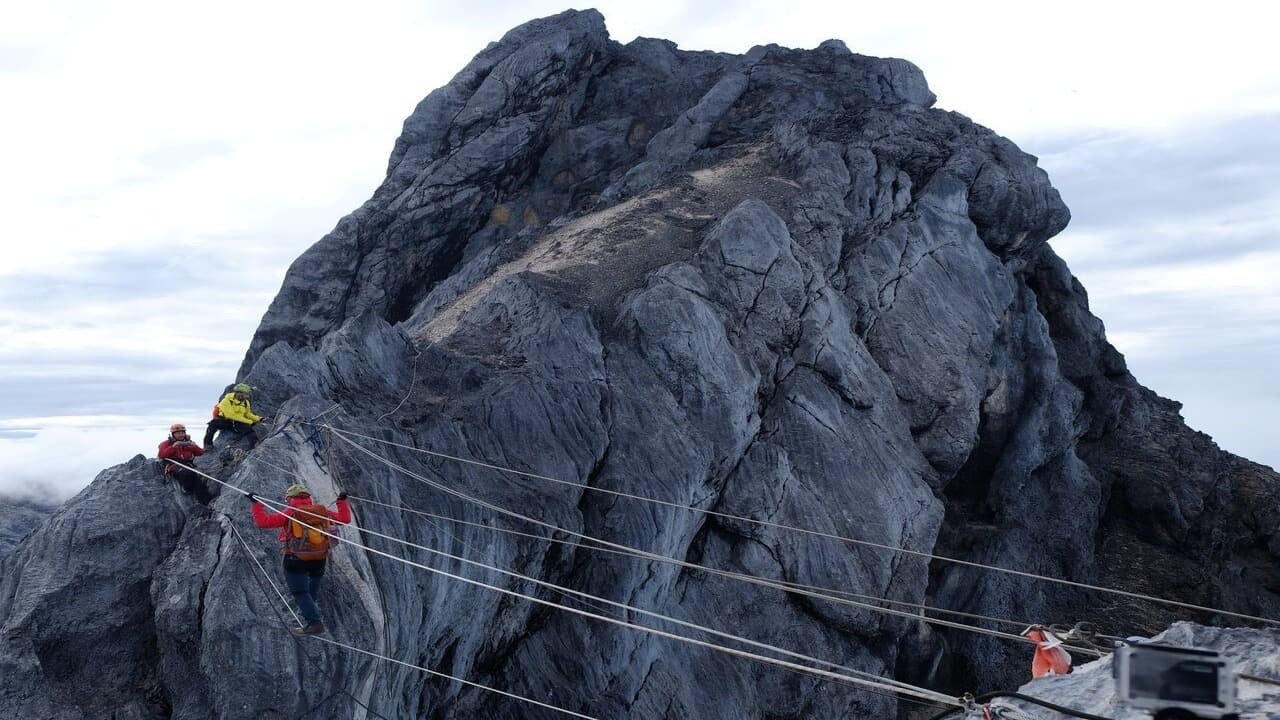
(303, 578)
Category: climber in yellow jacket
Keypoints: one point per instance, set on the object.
(235, 413)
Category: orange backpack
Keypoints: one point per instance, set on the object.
(305, 537)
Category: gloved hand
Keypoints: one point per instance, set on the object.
(251, 496)
(342, 495)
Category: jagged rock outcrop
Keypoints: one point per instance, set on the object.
(72, 598)
(778, 286)
(1090, 688)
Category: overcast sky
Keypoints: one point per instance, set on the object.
(162, 163)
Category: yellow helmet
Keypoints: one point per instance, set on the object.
(296, 490)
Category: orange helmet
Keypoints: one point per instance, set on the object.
(176, 428)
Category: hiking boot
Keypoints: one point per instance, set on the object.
(312, 629)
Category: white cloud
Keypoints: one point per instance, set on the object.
(1176, 237)
(69, 451)
(1202, 332)
(164, 162)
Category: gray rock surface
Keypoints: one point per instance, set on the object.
(776, 286)
(1091, 688)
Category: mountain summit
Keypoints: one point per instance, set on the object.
(775, 290)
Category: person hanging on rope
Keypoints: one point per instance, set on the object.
(179, 448)
(234, 412)
(304, 544)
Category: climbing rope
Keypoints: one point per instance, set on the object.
(816, 533)
(631, 608)
(885, 683)
(262, 571)
(352, 648)
(627, 553)
(333, 472)
(694, 566)
(1258, 679)
(607, 546)
(282, 428)
(938, 697)
(877, 683)
(587, 599)
(364, 707)
(249, 551)
(446, 676)
(412, 381)
(310, 437)
(986, 698)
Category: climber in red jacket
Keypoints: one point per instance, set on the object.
(179, 448)
(305, 546)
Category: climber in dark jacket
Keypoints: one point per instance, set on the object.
(179, 448)
(305, 549)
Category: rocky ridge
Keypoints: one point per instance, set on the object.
(778, 285)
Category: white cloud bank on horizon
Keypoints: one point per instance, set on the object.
(52, 461)
(164, 164)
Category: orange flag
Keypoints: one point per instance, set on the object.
(1050, 658)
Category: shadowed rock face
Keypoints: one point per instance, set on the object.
(776, 285)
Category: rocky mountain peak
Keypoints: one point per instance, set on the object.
(772, 290)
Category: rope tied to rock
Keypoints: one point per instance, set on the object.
(311, 436)
(361, 651)
(877, 683)
(348, 434)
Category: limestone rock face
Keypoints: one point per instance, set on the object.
(777, 286)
